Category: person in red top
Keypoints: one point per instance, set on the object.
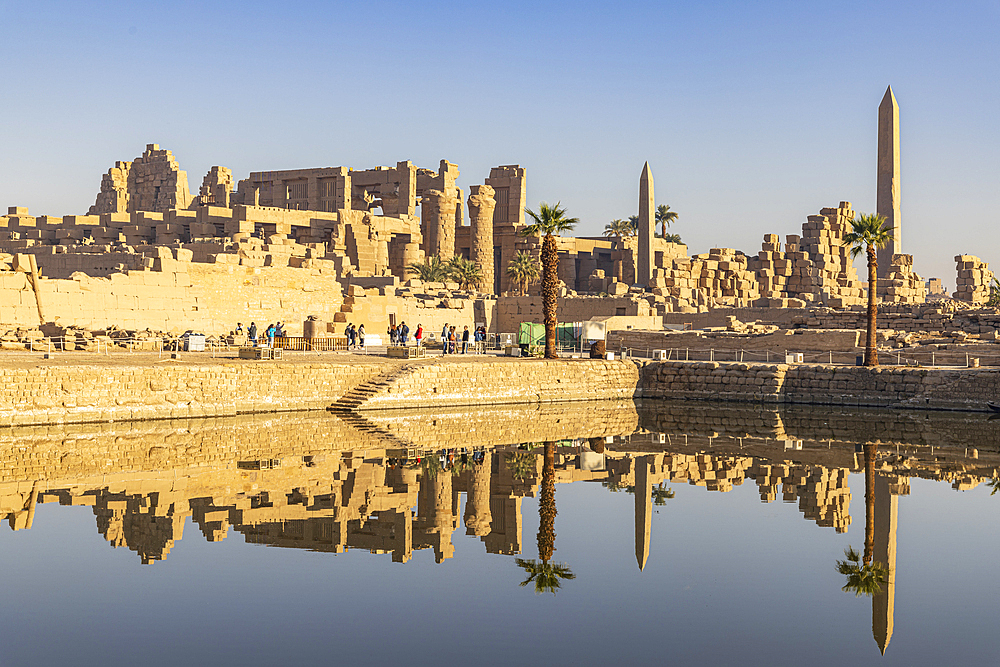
(419, 335)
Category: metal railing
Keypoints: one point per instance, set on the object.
(889, 357)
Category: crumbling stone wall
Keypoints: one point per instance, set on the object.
(901, 284)
(151, 182)
(974, 278)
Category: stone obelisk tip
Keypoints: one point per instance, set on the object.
(889, 98)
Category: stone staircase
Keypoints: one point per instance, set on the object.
(359, 395)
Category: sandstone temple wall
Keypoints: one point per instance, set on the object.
(80, 393)
(914, 388)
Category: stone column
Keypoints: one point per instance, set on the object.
(477, 505)
(647, 229)
(438, 216)
(481, 206)
(887, 197)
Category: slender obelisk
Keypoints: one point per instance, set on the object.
(887, 197)
(643, 508)
(647, 229)
(884, 602)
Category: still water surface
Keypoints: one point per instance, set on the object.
(415, 555)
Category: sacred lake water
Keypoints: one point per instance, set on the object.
(591, 534)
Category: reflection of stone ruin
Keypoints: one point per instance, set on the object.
(287, 481)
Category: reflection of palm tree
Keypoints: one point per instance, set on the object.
(661, 494)
(547, 504)
(995, 485)
(546, 576)
(863, 576)
(520, 464)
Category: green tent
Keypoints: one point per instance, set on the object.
(533, 335)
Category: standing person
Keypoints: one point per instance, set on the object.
(270, 335)
(279, 330)
(361, 335)
(404, 333)
(419, 335)
(392, 334)
(252, 334)
(349, 332)
(239, 329)
(444, 339)
(465, 340)
(452, 340)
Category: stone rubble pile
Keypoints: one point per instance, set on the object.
(902, 285)
(974, 278)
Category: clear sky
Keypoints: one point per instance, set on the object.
(751, 115)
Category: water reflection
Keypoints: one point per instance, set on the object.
(547, 577)
(393, 483)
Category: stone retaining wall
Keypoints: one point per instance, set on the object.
(823, 385)
(54, 394)
(428, 384)
(80, 393)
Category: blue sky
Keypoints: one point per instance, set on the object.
(751, 115)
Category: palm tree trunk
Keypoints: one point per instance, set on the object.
(550, 293)
(547, 505)
(870, 451)
(871, 351)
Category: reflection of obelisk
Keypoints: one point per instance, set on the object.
(887, 195)
(647, 229)
(886, 504)
(643, 509)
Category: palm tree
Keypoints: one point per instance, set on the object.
(633, 221)
(431, 270)
(865, 577)
(549, 222)
(545, 575)
(463, 271)
(661, 494)
(672, 238)
(868, 234)
(665, 217)
(523, 270)
(994, 484)
(620, 228)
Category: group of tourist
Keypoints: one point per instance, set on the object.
(452, 340)
(355, 335)
(399, 334)
(255, 337)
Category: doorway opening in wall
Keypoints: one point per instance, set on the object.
(392, 320)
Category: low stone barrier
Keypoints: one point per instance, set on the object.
(81, 393)
(934, 389)
(450, 384)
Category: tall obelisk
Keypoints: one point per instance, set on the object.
(647, 229)
(887, 197)
(643, 508)
(884, 602)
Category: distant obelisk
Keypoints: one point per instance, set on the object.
(884, 602)
(887, 198)
(647, 229)
(643, 508)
